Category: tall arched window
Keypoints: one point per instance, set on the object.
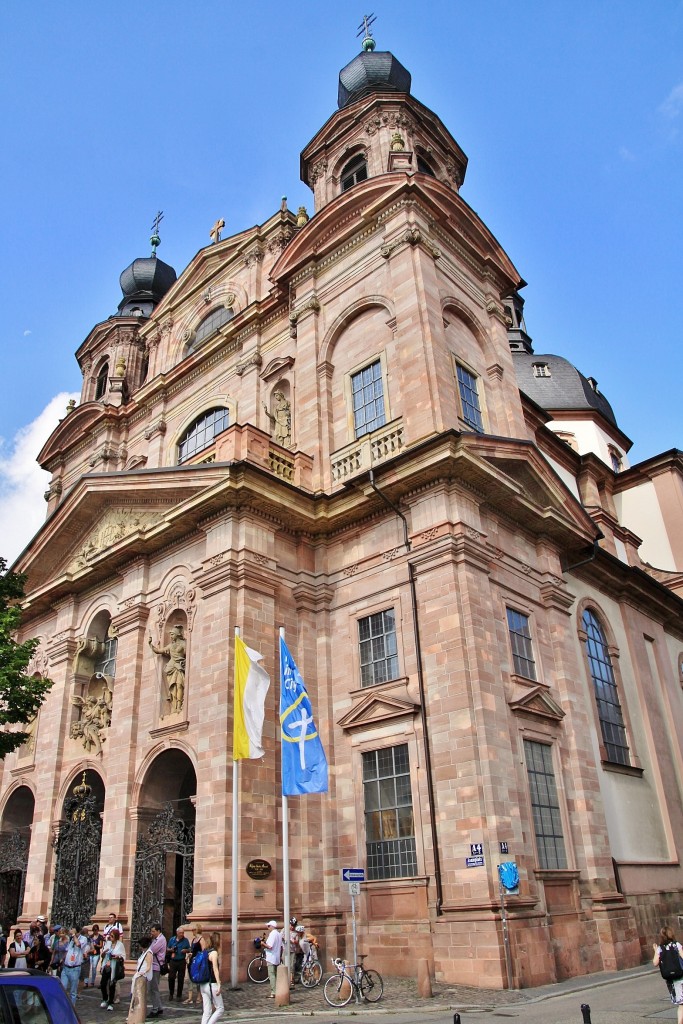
(101, 383)
(606, 693)
(201, 433)
(210, 325)
(356, 170)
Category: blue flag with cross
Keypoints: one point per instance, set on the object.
(304, 765)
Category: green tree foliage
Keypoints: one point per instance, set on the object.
(20, 694)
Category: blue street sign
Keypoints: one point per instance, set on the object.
(353, 874)
(474, 862)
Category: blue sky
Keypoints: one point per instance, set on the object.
(571, 115)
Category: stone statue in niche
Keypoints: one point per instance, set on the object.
(94, 720)
(175, 651)
(281, 420)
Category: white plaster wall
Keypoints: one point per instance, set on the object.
(590, 437)
(566, 477)
(638, 509)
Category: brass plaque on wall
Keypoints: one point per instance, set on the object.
(258, 868)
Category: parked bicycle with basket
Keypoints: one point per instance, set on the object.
(257, 968)
(352, 980)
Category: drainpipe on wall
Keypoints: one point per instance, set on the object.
(423, 702)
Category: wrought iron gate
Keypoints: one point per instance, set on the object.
(77, 843)
(13, 861)
(163, 891)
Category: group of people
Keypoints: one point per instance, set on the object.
(72, 954)
(301, 945)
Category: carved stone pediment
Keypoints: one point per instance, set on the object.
(276, 367)
(115, 525)
(537, 702)
(378, 704)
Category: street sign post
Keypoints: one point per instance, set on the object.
(354, 888)
(353, 874)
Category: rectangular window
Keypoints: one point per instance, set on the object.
(389, 830)
(378, 651)
(469, 399)
(520, 641)
(545, 806)
(368, 399)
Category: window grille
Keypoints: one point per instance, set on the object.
(389, 828)
(545, 806)
(606, 693)
(469, 399)
(368, 399)
(201, 433)
(520, 641)
(378, 652)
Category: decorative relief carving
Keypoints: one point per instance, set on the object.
(350, 570)
(454, 172)
(40, 662)
(116, 524)
(180, 598)
(217, 559)
(388, 556)
(166, 327)
(158, 427)
(277, 244)
(261, 559)
(54, 490)
(280, 419)
(526, 569)
(316, 171)
(254, 360)
(471, 532)
(254, 256)
(429, 534)
(389, 119)
(411, 236)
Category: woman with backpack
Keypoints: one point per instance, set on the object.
(210, 989)
(669, 958)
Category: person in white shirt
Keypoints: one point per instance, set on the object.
(112, 923)
(140, 980)
(273, 944)
(113, 957)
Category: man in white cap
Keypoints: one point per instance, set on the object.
(273, 945)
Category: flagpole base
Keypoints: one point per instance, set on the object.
(282, 986)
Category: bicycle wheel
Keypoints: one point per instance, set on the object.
(311, 974)
(371, 986)
(338, 990)
(258, 970)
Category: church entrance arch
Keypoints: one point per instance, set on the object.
(15, 839)
(163, 890)
(77, 841)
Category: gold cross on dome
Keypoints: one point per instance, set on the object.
(215, 232)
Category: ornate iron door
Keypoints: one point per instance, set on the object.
(13, 861)
(77, 843)
(164, 874)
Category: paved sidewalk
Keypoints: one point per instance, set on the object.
(400, 994)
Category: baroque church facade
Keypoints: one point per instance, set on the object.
(339, 424)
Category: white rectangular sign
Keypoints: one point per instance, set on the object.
(354, 888)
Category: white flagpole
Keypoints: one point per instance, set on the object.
(235, 850)
(285, 845)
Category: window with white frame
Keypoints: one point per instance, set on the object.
(367, 396)
(201, 433)
(469, 399)
(606, 693)
(545, 806)
(520, 642)
(210, 325)
(377, 645)
(389, 828)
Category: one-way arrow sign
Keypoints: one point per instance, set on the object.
(353, 874)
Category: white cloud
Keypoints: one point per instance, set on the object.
(27, 332)
(672, 106)
(23, 482)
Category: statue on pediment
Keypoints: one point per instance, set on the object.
(280, 419)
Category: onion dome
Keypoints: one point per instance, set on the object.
(144, 284)
(371, 71)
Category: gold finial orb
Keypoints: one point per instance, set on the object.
(397, 143)
(302, 217)
(120, 368)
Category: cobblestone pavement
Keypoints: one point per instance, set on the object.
(252, 1001)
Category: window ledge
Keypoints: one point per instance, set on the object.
(622, 769)
(556, 874)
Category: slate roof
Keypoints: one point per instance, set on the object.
(372, 71)
(565, 390)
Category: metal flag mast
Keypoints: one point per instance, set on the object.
(235, 856)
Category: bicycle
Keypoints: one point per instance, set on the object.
(257, 968)
(311, 972)
(350, 980)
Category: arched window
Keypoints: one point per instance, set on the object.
(423, 167)
(356, 170)
(102, 379)
(606, 693)
(210, 325)
(200, 434)
(106, 662)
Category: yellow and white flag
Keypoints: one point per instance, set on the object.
(251, 686)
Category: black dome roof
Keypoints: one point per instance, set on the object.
(145, 281)
(563, 389)
(371, 71)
